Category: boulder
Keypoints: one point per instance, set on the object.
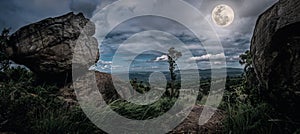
(46, 47)
(275, 48)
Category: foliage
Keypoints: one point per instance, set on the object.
(173, 55)
(250, 85)
(4, 60)
(21, 100)
(140, 86)
(233, 91)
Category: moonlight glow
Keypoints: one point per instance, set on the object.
(223, 15)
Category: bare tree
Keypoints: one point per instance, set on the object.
(173, 55)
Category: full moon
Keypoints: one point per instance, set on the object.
(223, 15)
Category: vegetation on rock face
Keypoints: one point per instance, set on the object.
(4, 60)
(250, 85)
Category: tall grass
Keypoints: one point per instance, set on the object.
(244, 118)
(142, 112)
(28, 107)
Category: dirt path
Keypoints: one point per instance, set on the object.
(190, 124)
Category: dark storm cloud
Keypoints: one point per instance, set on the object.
(87, 7)
(235, 46)
(17, 13)
(207, 6)
(252, 8)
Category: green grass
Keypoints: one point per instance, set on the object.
(29, 107)
(142, 112)
(244, 118)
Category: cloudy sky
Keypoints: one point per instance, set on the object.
(234, 39)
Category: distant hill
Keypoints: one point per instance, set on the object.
(203, 73)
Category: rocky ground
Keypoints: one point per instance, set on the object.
(190, 124)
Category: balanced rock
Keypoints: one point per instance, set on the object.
(275, 48)
(46, 47)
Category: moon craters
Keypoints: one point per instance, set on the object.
(222, 15)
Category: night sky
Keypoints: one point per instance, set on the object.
(235, 38)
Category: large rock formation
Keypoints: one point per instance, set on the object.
(275, 48)
(46, 47)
